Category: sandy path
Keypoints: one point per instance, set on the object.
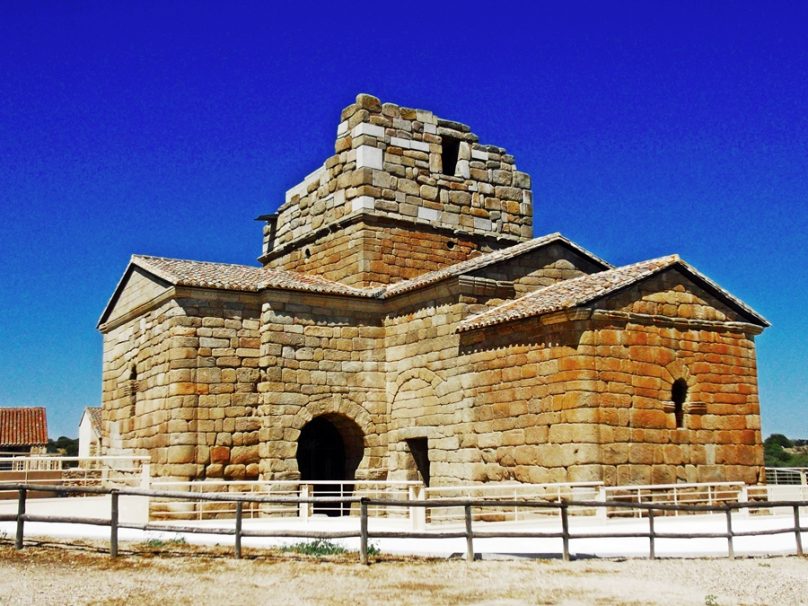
(42, 575)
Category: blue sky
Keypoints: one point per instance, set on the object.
(165, 128)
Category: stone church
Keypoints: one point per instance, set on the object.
(405, 324)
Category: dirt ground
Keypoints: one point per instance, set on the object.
(82, 573)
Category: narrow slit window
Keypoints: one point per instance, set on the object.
(450, 148)
(679, 395)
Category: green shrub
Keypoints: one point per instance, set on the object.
(317, 547)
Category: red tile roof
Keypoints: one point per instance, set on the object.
(94, 412)
(586, 289)
(23, 427)
(204, 274)
(492, 258)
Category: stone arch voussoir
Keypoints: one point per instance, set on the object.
(424, 374)
(341, 406)
(677, 370)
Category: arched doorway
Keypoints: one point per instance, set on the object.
(330, 448)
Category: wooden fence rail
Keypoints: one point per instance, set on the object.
(364, 534)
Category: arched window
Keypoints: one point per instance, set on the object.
(679, 395)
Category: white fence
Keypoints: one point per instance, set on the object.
(545, 493)
(188, 508)
(115, 521)
(109, 471)
(787, 475)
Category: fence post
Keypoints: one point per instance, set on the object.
(239, 509)
(304, 508)
(417, 514)
(565, 532)
(730, 546)
(651, 537)
(20, 517)
(601, 513)
(113, 523)
(145, 475)
(797, 531)
(469, 535)
(363, 531)
(743, 497)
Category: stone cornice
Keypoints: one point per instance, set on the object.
(371, 216)
(605, 315)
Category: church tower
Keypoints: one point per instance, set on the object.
(405, 193)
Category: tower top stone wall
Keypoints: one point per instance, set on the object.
(408, 168)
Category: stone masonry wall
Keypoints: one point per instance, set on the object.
(192, 405)
(362, 255)
(592, 400)
(389, 163)
(439, 391)
(136, 382)
(542, 267)
(321, 356)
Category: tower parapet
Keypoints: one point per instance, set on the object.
(399, 173)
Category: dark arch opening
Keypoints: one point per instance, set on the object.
(679, 395)
(330, 448)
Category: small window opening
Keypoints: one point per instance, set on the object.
(133, 373)
(450, 148)
(450, 244)
(419, 448)
(679, 395)
(307, 252)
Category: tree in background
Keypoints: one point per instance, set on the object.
(65, 446)
(779, 451)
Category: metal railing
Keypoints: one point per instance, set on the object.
(74, 471)
(564, 534)
(188, 508)
(787, 475)
(513, 492)
(702, 493)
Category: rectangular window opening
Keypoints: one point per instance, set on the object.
(419, 448)
(450, 148)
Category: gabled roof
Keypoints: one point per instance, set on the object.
(586, 289)
(226, 276)
(486, 260)
(23, 427)
(247, 278)
(94, 414)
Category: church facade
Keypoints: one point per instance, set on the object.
(405, 324)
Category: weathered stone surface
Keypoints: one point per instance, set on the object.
(226, 383)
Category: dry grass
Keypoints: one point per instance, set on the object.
(176, 573)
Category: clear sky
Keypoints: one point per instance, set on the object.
(165, 128)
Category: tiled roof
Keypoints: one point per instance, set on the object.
(485, 260)
(203, 274)
(23, 427)
(94, 412)
(585, 289)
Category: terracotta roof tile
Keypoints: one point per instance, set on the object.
(204, 274)
(23, 427)
(482, 261)
(579, 291)
(94, 412)
(246, 278)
